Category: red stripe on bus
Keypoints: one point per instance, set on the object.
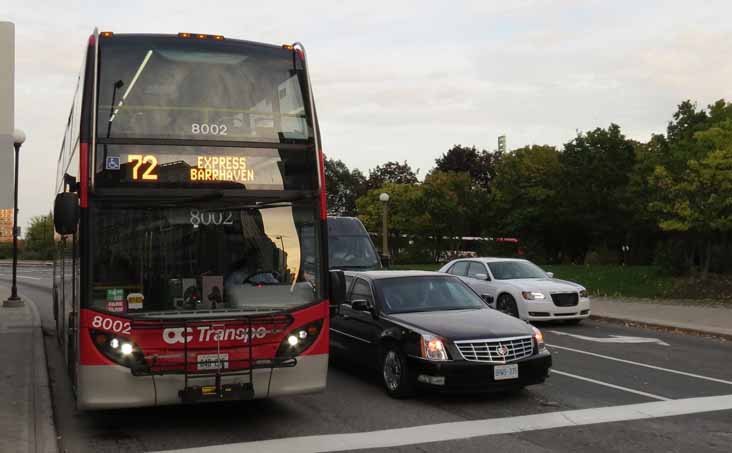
(84, 174)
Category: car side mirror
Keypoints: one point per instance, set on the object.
(360, 305)
(550, 274)
(482, 276)
(336, 289)
(66, 213)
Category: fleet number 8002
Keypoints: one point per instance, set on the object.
(209, 129)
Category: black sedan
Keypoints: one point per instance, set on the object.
(431, 330)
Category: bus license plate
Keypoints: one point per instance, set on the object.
(212, 361)
(502, 372)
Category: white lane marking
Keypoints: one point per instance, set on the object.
(476, 428)
(653, 367)
(613, 338)
(612, 386)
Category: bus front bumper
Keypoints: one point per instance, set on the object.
(114, 386)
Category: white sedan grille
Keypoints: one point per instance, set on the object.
(498, 350)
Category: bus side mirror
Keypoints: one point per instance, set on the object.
(66, 213)
(337, 289)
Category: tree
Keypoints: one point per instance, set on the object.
(343, 186)
(525, 197)
(391, 172)
(595, 170)
(480, 165)
(698, 201)
(39, 243)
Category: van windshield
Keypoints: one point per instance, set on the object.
(352, 252)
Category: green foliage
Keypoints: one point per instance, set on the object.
(595, 169)
(391, 172)
(39, 243)
(525, 189)
(343, 186)
(481, 165)
(627, 281)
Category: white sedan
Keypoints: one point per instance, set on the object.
(522, 289)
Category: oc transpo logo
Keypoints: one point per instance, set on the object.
(204, 334)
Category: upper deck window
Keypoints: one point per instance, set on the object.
(173, 88)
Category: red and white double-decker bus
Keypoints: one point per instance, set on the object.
(190, 217)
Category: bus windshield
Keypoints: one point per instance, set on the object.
(177, 88)
(229, 257)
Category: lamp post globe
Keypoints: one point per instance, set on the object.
(14, 300)
(18, 137)
(384, 197)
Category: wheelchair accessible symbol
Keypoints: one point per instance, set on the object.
(112, 163)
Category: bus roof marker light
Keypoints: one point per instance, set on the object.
(184, 35)
(288, 46)
(201, 36)
(218, 37)
(106, 34)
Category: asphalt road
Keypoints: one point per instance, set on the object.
(596, 366)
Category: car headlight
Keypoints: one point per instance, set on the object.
(539, 338)
(433, 348)
(583, 293)
(533, 295)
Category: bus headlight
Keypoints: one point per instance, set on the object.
(118, 349)
(298, 340)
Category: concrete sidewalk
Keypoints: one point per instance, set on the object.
(682, 315)
(26, 413)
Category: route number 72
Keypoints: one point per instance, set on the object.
(147, 175)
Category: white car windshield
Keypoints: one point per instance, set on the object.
(510, 270)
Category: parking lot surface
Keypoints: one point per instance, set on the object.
(613, 388)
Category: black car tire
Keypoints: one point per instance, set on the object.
(398, 379)
(506, 304)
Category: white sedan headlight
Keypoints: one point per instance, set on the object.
(583, 293)
(533, 295)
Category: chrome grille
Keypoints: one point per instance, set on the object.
(515, 348)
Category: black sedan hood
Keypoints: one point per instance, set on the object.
(464, 324)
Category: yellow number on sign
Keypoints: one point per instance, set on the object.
(147, 175)
(139, 159)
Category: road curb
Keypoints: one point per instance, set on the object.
(43, 426)
(663, 326)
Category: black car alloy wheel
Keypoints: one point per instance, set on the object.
(395, 372)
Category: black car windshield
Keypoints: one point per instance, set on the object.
(510, 270)
(413, 294)
(352, 252)
(173, 259)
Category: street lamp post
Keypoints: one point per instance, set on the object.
(384, 198)
(14, 300)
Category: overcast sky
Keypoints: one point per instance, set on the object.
(403, 80)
